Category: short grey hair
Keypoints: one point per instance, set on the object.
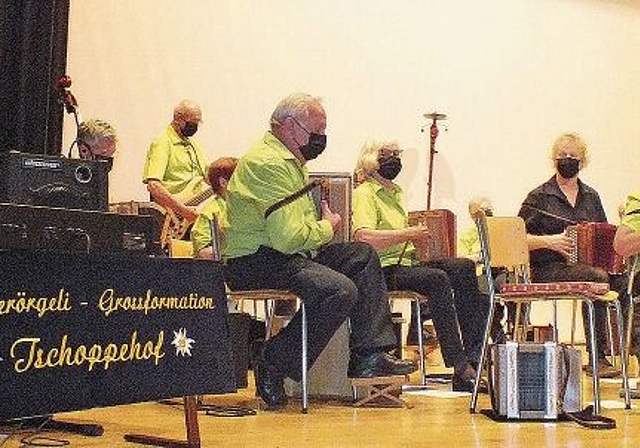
(297, 105)
(186, 107)
(95, 130)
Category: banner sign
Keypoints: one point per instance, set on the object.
(83, 331)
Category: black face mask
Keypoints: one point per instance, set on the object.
(314, 147)
(189, 129)
(568, 167)
(390, 167)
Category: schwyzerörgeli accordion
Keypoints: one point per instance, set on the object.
(593, 245)
(535, 381)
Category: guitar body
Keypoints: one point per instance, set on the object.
(170, 224)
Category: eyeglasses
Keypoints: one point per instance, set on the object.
(386, 152)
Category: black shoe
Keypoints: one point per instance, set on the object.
(605, 369)
(269, 383)
(465, 382)
(379, 364)
(428, 339)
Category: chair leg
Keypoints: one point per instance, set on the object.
(421, 362)
(574, 305)
(623, 357)
(305, 359)
(594, 357)
(483, 354)
(628, 330)
(610, 336)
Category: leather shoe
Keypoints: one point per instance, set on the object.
(466, 385)
(428, 339)
(605, 369)
(269, 383)
(465, 381)
(379, 364)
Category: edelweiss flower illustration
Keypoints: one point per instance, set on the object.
(182, 343)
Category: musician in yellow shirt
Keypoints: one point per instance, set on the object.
(175, 165)
(627, 244)
(218, 175)
(380, 219)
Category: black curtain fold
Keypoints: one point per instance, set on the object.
(33, 56)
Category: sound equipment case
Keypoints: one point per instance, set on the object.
(53, 181)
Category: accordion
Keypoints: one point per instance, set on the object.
(593, 245)
(442, 229)
(531, 379)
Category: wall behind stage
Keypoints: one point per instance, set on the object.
(510, 74)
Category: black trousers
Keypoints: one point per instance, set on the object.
(458, 309)
(343, 281)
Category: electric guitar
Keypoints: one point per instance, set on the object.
(175, 226)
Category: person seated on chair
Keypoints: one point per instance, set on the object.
(218, 175)
(380, 219)
(279, 243)
(547, 211)
(175, 165)
(97, 140)
(627, 244)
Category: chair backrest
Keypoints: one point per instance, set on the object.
(503, 240)
(180, 248)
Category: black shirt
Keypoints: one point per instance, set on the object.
(550, 198)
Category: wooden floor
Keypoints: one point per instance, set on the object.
(430, 421)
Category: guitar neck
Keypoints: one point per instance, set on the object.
(199, 198)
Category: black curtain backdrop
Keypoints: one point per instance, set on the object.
(33, 55)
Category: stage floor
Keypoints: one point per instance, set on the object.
(434, 418)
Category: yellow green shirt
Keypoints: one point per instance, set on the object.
(378, 208)
(267, 173)
(179, 163)
(201, 230)
(631, 216)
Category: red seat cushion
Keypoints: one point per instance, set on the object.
(524, 289)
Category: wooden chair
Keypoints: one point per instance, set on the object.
(504, 245)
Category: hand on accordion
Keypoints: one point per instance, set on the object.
(560, 243)
(330, 216)
(419, 235)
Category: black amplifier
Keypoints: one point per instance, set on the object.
(54, 181)
(76, 231)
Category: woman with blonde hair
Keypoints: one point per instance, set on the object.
(380, 219)
(548, 210)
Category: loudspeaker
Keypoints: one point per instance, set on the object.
(535, 381)
(337, 191)
(53, 181)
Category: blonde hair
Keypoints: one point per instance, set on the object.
(368, 159)
(571, 139)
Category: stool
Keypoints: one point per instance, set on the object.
(381, 391)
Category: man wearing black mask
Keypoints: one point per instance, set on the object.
(175, 166)
(286, 247)
(547, 211)
(380, 219)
